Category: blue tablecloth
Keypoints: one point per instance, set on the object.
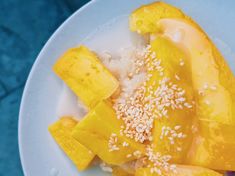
(25, 26)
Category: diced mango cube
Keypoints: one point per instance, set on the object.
(83, 72)
(172, 134)
(181, 170)
(100, 132)
(214, 147)
(61, 132)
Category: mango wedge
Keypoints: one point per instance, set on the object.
(206, 77)
(61, 132)
(172, 135)
(214, 147)
(181, 170)
(143, 20)
(213, 81)
(100, 129)
(83, 72)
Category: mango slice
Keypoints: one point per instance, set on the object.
(143, 20)
(172, 134)
(214, 147)
(213, 81)
(83, 72)
(181, 170)
(61, 132)
(100, 132)
(205, 73)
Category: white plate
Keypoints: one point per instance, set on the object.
(91, 25)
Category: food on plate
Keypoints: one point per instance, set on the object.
(102, 128)
(169, 112)
(212, 79)
(181, 170)
(173, 135)
(61, 132)
(214, 147)
(83, 72)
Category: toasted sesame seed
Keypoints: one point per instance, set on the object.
(194, 128)
(181, 62)
(207, 102)
(188, 105)
(213, 87)
(129, 155)
(137, 154)
(177, 77)
(177, 127)
(205, 86)
(179, 149)
(125, 144)
(105, 167)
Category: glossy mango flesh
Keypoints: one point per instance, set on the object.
(212, 80)
(181, 170)
(205, 73)
(61, 132)
(214, 147)
(143, 20)
(83, 72)
(94, 132)
(171, 56)
(211, 76)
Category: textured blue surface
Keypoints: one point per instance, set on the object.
(25, 26)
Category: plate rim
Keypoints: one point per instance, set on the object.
(30, 75)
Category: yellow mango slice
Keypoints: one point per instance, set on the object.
(218, 131)
(83, 72)
(172, 134)
(61, 132)
(214, 147)
(181, 170)
(212, 79)
(100, 132)
(205, 74)
(143, 20)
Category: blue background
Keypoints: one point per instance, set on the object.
(25, 26)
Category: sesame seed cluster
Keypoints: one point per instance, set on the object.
(112, 143)
(206, 87)
(160, 162)
(148, 102)
(172, 134)
(105, 167)
(151, 100)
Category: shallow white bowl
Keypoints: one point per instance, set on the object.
(40, 156)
